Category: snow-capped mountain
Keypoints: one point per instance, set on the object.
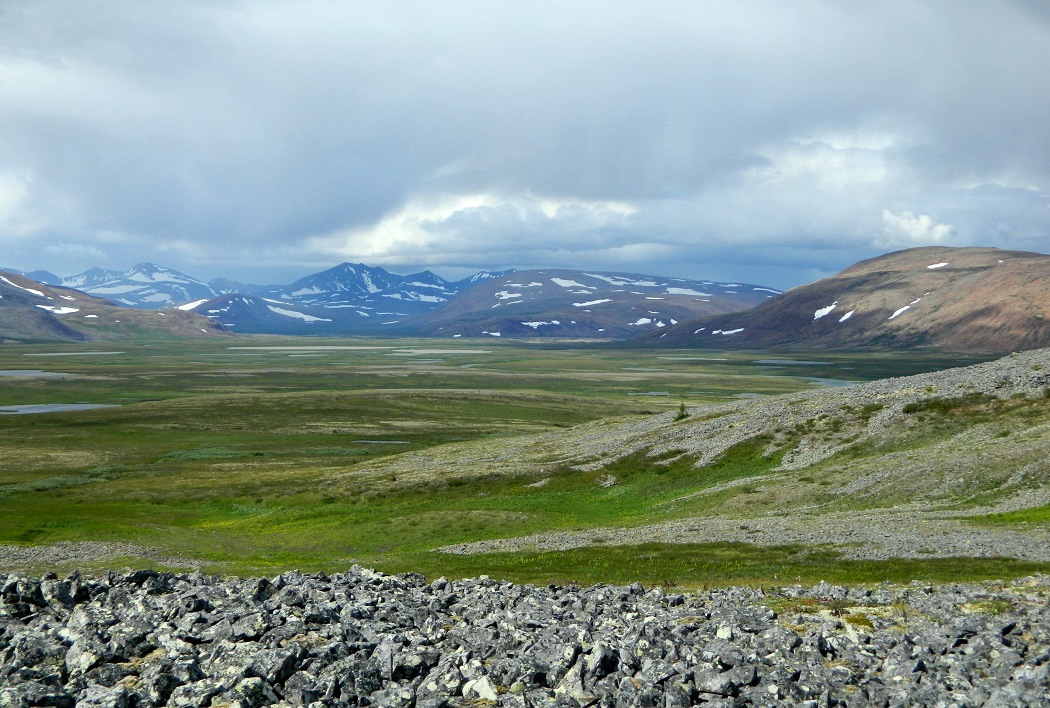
(344, 282)
(146, 285)
(372, 291)
(571, 303)
(349, 298)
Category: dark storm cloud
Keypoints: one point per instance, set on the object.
(782, 140)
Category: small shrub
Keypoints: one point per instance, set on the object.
(989, 607)
(859, 619)
(869, 410)
(204, 453)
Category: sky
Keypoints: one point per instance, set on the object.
(769, 142)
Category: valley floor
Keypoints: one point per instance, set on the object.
(534, 464)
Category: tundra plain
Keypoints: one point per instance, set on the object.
(533, 462)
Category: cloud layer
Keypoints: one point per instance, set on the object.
(762, 141)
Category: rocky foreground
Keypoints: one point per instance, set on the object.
(365, 638)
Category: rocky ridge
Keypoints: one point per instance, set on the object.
(709, 431)
(364, 638)
(898, 503)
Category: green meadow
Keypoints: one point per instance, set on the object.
(239, 454)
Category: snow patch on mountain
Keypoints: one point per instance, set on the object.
(297, 315)
(687, 291)
(824, 311)
(59, 310)
(21, 287)
(904, 309)
(570, 283)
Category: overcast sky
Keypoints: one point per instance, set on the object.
(770, 142)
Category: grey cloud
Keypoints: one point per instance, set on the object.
(237, 132)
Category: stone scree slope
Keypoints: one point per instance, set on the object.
(364, 638)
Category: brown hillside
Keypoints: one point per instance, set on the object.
(953, 299)
(35, 312)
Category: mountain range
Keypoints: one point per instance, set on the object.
(978, 300)
(348, 298)
(981, 300)
(353, 298)
(349, 285)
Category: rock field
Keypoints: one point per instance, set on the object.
(364, 638)
(877, 535)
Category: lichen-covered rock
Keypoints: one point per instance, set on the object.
(365, 638)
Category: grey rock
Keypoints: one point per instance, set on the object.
(35, 694)
(96, 696)
(365, 638)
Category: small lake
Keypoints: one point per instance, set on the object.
(91, 353)
(830, 382)
(33, 374)
(52, 408)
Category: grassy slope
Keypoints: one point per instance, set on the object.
(264, 459)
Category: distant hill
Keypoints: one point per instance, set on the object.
(571, 303)
(981, 300)
(40, 276)
(226, 286)
(31, 311)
